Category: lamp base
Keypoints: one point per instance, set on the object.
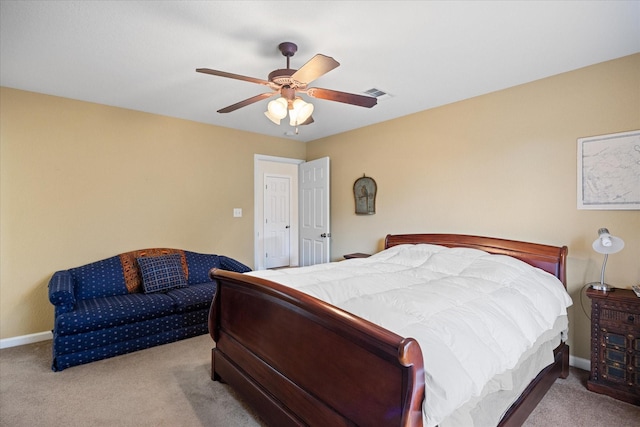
(601, 287)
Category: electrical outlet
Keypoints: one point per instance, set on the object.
(237, 212)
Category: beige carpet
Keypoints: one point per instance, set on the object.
(569, 403)
(170, 385)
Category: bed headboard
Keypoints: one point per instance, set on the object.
(548, 258)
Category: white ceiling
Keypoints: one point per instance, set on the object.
(142, 55)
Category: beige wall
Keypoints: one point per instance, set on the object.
(81, 182)
(503, 165)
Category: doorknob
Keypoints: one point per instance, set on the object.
(286, 226)
(325, 235)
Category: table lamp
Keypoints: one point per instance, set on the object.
(605, 244)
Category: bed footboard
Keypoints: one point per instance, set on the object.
(300, 361)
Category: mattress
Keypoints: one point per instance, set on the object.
(478, 317)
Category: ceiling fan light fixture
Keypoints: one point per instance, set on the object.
(300, 112)
(278, 108)
(271, 117)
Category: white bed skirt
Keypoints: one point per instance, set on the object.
(504, 389)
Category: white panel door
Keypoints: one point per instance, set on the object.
(315, 232)
(277, 226)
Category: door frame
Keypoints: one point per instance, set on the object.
(258, 200)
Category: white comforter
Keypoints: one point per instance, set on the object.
(473, 313)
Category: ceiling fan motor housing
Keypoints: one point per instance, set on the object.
(282, 77)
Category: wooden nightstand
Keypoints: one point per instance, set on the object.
(615, 344)
(356, 255)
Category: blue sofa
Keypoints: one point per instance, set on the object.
(131, 301)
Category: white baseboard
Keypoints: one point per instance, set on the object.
(580, 363)
(25, 339)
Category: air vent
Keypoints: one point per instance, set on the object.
(377, 93)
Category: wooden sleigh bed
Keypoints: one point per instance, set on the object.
(297, 360)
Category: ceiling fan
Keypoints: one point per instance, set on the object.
(288, 83)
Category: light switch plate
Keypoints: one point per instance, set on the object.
(237, 212)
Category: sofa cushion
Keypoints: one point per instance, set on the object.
(193, 297)
(99, 279)
(161, 273)
(131, 271)
(97, 313)
(199, 266)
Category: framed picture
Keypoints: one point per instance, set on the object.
(609, 171)
(364, 192)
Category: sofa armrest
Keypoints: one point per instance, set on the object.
(231, 264)
(61, 292)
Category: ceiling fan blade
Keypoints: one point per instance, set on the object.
(314, 68)
(246, 102)
(232, 76)
(347, 98)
